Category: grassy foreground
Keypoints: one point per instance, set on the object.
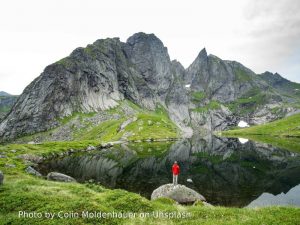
(70, 202)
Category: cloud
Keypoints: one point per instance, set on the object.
(272, 34)
(261, 34)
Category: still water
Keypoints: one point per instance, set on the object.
(227, 171)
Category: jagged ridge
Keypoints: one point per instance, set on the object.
(98, 77)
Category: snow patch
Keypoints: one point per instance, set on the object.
(243, 124)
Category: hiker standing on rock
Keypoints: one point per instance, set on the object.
(175, 171)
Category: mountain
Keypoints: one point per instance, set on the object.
(211, 94)
(6, 103)
(3, 93)
(284, 86)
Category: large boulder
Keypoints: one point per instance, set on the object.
(60, 177)
(1, 177)
(178, 193)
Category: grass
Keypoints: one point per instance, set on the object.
(212, 105)
(283, 133)
(26, 193)
(286, 127)
(242, 75)
(198, 96)
(148, 125)
(248, 103)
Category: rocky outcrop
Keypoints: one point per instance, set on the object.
(54, 176)
(1, 177)
(178, 193)
(31, 158)
(32, 171)
(101, 75)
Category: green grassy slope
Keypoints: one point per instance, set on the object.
(287, 127)
(144, 125)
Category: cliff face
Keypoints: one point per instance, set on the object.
(97, 77)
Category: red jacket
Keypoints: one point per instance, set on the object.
(175, 169)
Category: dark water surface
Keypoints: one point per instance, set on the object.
(223, 170)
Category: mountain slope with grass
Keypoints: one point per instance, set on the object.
(210, 95)
(287, 127)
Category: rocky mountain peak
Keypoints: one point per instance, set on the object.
(202, 54)
(101, 75)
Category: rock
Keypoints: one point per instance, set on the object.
(126, 123)
(3, 156)
(54, 176)
(31, 143)
(31, 158)
(178, 193)
(90, 148)
(32, 171)
(106, 145)
(189, 180)
(13, 151)
(1, 177)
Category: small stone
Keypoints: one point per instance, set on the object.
(3, 156)
(13, 151)
(54, 176)
(91, 148)
(31, 143)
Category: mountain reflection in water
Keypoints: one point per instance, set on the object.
(223, 170)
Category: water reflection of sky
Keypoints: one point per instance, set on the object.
(292, 197)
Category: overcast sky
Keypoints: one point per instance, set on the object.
(261, 34)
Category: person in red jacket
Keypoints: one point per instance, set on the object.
(175, 171)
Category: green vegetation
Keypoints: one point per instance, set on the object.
(212, 105)
(89, 50)
(140, 125)
(22, 192)
(242, 75)
(286, 127)
(66, 62)
(249, 102)
(198, 96)
(144, 125)
(284, 133)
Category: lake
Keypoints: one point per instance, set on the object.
(226, 171)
